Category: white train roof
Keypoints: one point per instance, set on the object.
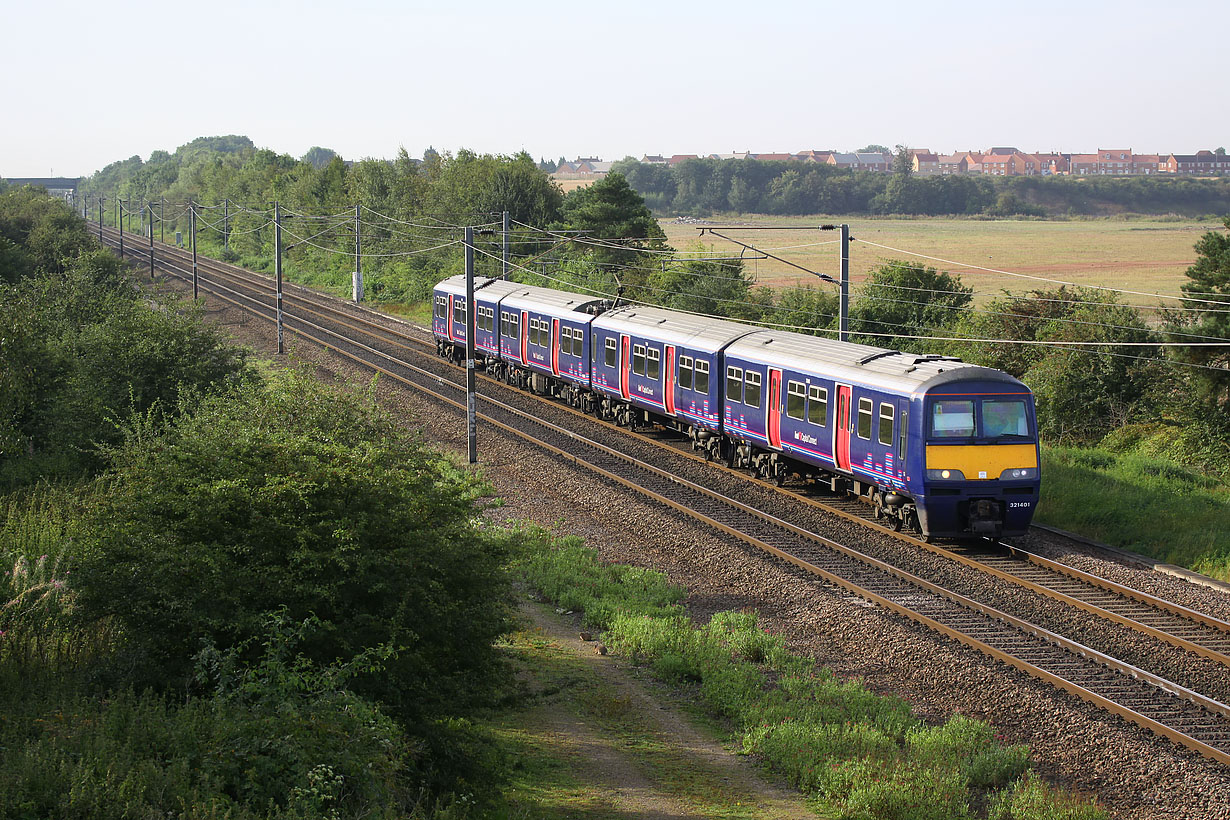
(681, 329)
(863, 364)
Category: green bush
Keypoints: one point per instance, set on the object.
(299, 496)
(1030, 798)
(970, 747)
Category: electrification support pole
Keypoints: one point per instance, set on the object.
(471, 420)
(226, 224)
(192, 241)
(162, 220)
(149, 207)
(119, 221)
(277, 266)
(357, 284)
(504, 249)
(101, 200)
(843, 312)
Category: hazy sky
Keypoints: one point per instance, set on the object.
(86, 84)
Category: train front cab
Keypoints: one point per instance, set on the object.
(979, 460)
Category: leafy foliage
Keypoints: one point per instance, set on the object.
(298, 496)
(1209, 287)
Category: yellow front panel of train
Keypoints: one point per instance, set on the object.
(977, 462)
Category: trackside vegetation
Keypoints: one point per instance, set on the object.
(860, 755)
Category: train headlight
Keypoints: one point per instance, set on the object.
(1019, 473)
(945, 475)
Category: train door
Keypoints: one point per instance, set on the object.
(448, 320)
(669, 382)
(555, 346)
(903, 439)
(773, 421)
(841, 430)
(525, 336)
(625, 364)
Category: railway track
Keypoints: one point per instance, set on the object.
(1148, 699)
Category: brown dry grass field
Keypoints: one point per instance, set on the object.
(1131, 254)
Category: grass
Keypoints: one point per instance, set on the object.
(1147, 254)
(1150, 505)
(857, 753)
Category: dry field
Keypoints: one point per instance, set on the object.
(1138, 255)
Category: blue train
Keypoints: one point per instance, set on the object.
(946, 448)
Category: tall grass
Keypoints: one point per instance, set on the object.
(1149, 505)
(861, 754)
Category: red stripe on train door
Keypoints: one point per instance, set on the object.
(448, 320)
(670, 380)
(624, 365)
(555, 346)
(525, 336)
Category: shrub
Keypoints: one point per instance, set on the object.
(1030, 798)
(299, 496)
(970, 747)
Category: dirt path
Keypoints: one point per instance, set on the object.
(640, 756)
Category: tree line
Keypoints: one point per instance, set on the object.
(705, 186)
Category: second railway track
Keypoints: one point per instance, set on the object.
(1180, 712)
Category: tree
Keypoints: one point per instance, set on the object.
(319, 157)
(1209, 289)
(807, 309)
(612, 213)
(874, 148)
(910, 299)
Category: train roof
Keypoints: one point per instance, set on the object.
(519, 296)
(873, 366)
(682, 329)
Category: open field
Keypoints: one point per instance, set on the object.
(1144, 255)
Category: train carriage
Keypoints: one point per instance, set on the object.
(449, 316)
(873, 420)
(666, 364)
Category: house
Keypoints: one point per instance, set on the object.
(962, 162)
(771, 157)
(874, 162)
(924, 161)
(678, 158)
(1201, 162)
(1053, 163)
(653, 159)
(843, 160)
(733, 155)
(821, 157)
(592, 168)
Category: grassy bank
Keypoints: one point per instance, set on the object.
(1147, 504)
(855, 753)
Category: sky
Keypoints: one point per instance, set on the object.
(87, 84)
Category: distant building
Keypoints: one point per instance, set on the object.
(814, 156)
(678, 158)
(924, 161)
(1201, 162)
(653, 159)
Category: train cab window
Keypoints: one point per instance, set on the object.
(459, 311)
(1004, 418)
(655, 363)
(702, 377)
(751, 390)
(864, 418)
(734, 384)
(638, 359)
(818, 405)
(796, 393)
(886, 425)
(685, 372)
(612, 352)
(952, 418)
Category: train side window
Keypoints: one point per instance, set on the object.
(734, 384)
(795, 392)
(578, 342)
(638, 359)
(459, 311)
(751, 395)
(864, 418)
(514, 326)
(655, 363)
(685, 372)
(612, 355)
(533, 337)
(441, 307)
(886, 425)
(818, 405)
(491, 319)
(903, 436)
(702, 377)
(565, 340)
